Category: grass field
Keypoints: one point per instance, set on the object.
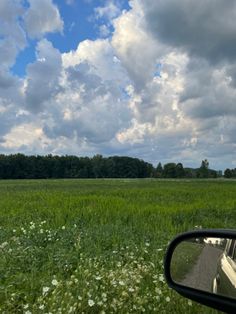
(97, 246)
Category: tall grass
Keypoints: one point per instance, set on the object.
(97, 246)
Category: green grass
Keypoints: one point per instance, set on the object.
(73, 246)
(184, 258)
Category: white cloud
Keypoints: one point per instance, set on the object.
(23, 135)
(145, 91)
(12, 35)
(104, 30)
(42, 81)
(109, 11)
(88, 107)
(204, 28)
(138, 52)
(42, 17)
(101, 57)
(182, 108)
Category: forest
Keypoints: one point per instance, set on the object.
(19, 166)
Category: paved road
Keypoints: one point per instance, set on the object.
(203, 272)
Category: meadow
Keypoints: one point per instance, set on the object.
(97, 246)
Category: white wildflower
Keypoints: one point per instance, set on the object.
(63, 227)
(158, 291)
(4, 244)
(161, 278)
(54, 282)
(91, 302)
(190, 303)
(167, 299)
(45, 290)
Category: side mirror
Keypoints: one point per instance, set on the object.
(201, 265)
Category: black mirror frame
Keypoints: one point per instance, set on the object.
(217, 302)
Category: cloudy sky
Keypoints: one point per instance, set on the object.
(153, 79)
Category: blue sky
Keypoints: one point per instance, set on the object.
(149, 79)
(79, 24)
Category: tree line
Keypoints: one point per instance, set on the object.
(230, 173)
(19, 166)
(173, 170)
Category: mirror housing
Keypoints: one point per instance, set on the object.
(216, 301)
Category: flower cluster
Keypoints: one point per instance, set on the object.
(50, 271)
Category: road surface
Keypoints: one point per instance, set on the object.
(202, 274)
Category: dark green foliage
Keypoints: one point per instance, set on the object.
(159, 170)
(230, 173)
(205, 172)
(19, 166)
(169, 170)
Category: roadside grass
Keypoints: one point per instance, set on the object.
(184, 258)
(97, 246)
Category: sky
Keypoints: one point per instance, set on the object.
(153, 79)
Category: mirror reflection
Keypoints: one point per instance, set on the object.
(207, 264)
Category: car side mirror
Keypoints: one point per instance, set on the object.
(201, 265)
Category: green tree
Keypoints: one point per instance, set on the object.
(203, 171)
(180, 172)
(228, 173)
(159, 170)
(99, 167)
(169, 170)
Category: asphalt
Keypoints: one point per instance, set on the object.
(202, 274)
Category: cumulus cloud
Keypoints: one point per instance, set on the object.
(137, 50)
(102, 58)
(104, 30)
(89, 107)
(42, 17)
(10, 27)
(109, 11)
(160, 86)
(42, 82)
(204, 28)
(12, 35)
(208, 92)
